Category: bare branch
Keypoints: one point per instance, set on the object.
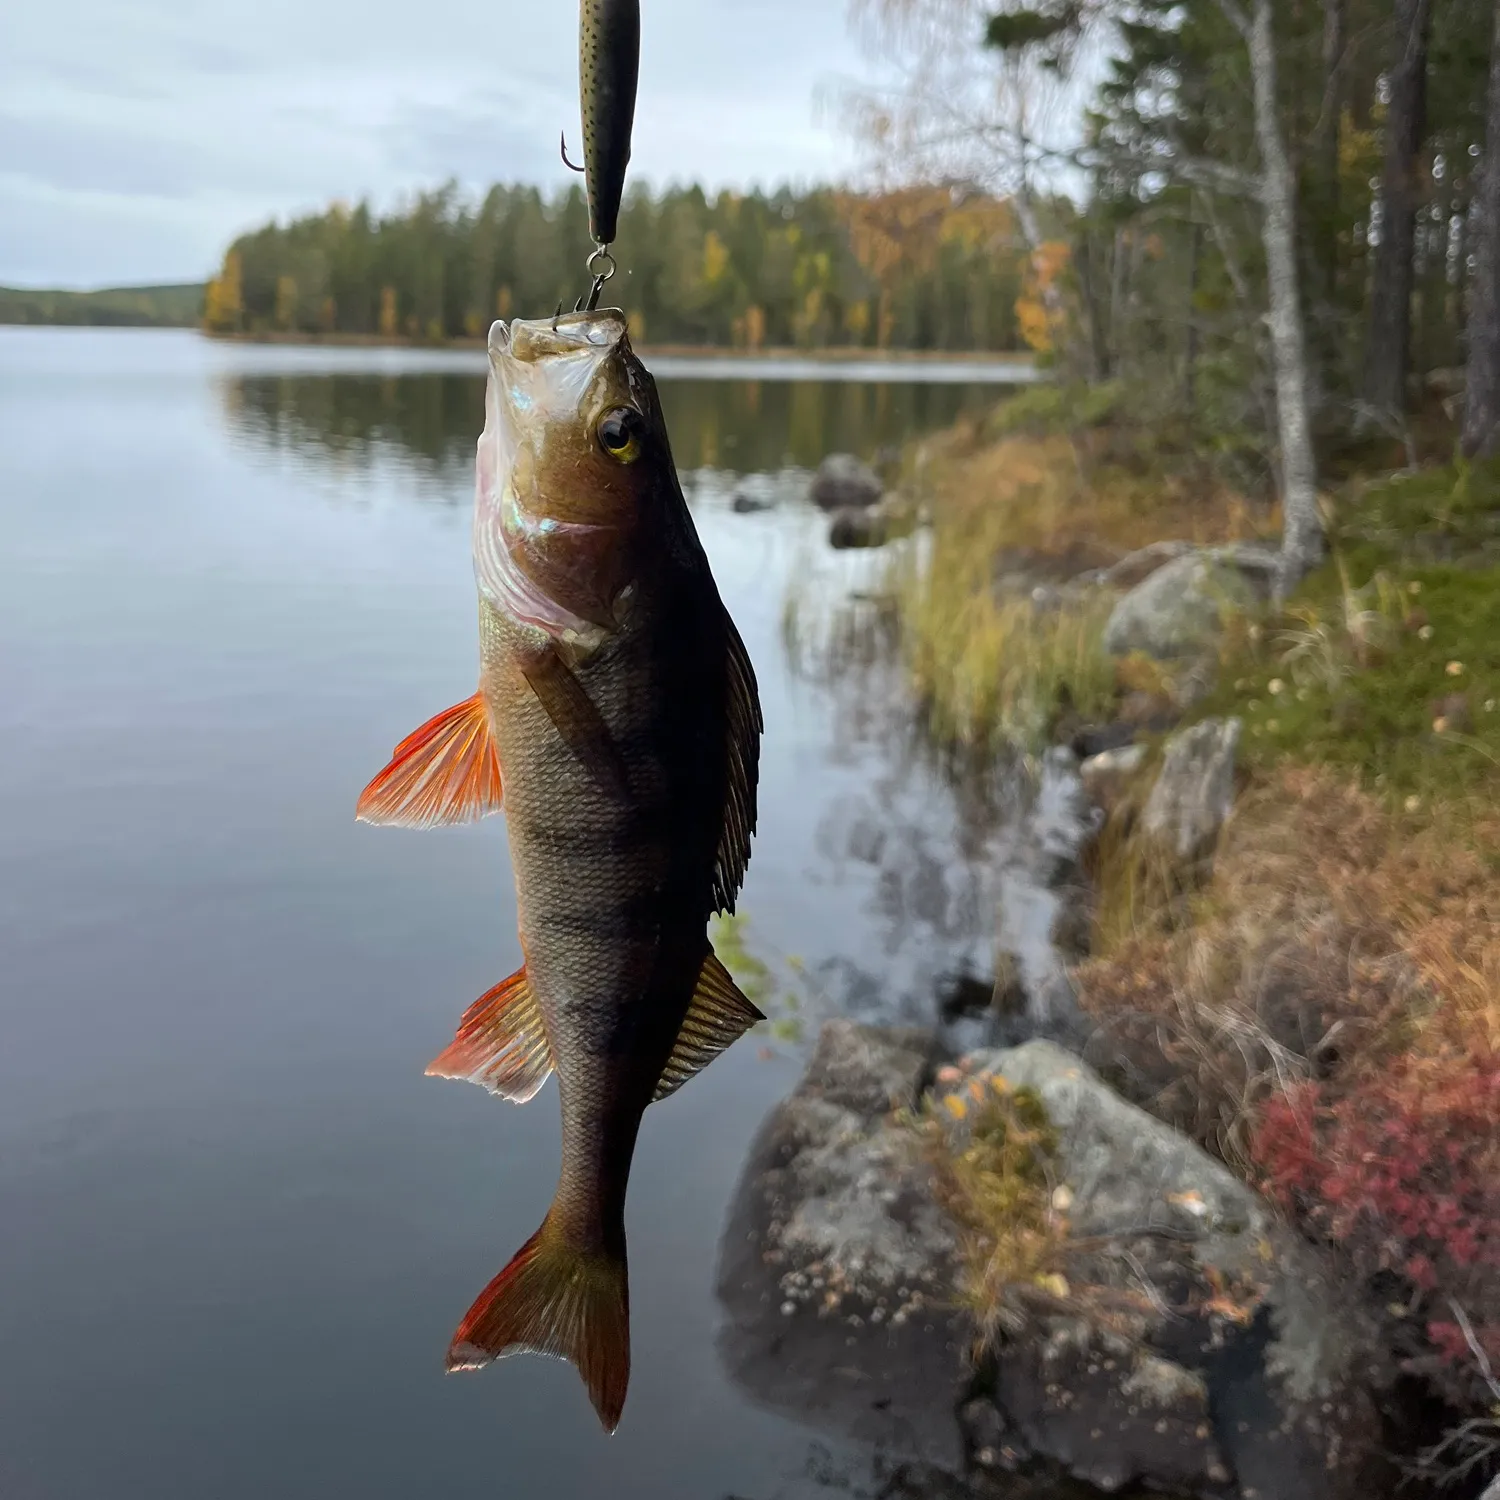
(1236, 17)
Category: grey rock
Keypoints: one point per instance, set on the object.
(1180, 608)
(746, 504)
(843, 482)
(858, 528)
(1105, 775)
(872, 526)
(1135, 567)
(1280, 1397)
(833, 1216)
(1492, 1491)
(1194, 791)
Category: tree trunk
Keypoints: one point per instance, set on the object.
(1325, 326)
(1481, 434)
(1302, 540)
(1389, 353)
(1190, 357)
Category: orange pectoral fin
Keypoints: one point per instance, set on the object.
(445, 772)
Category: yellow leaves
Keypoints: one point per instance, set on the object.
(901, 232)
(503, 302)
(223, 309)
(1040, 315)
(1222, 1301)
(715, 258)
(388, 312)
(755, 327)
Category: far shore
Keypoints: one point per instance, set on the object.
(657, 351)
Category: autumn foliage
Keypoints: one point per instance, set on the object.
(1402, 1172)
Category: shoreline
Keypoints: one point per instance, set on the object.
(833, 354)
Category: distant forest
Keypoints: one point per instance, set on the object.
(125, 306)
(925, 268)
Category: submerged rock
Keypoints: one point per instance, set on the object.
(1194, 792)
(835, 1261)
(1179, 610)
(873, 526)
(842, 482)
(746, 504)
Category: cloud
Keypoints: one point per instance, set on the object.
(137, 140)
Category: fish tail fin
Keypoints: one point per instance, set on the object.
(558, 1298)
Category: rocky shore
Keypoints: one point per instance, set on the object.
(1189, 1340)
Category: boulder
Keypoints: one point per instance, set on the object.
(746, 504)
(834, 1266)
(859, 528)
(1202, 1346)
(872, 526)
(842, 482)
(1106, 775)
(1194, 791)
(1179, 610)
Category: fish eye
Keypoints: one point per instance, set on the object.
(621, 434)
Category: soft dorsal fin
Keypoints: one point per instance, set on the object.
(745, 724)
(501, 1043)
(719, 1015)
(445, 772)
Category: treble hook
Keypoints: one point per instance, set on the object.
(570, 165)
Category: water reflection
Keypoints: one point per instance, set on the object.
(743, 427)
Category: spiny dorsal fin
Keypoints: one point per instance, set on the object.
(501, 1043)
(719, 1015)
(445, 772)
(745, 725)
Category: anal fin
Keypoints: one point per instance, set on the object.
(719, 1015)
(501, 1043)
(445, 772)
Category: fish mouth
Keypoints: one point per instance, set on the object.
(532, 340)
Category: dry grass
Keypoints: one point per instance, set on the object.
(987, 669)
(1334, 934)
(990, 1148)
(988, 665)
(1045, 493)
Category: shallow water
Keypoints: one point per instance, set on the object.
(237, 1224)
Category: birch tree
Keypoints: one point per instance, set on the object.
(1481, 429)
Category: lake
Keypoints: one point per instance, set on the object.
(237, 1224)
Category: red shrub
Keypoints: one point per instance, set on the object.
(1402, 1171)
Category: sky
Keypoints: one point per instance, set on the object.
(138, 137)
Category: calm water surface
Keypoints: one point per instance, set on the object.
(237, 1224)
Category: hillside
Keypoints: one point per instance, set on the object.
(126, 306)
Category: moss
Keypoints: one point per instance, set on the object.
(1386, 663)
(1048, 408)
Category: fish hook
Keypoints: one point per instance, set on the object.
(570, 165)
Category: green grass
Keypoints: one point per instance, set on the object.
(1386, 662)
